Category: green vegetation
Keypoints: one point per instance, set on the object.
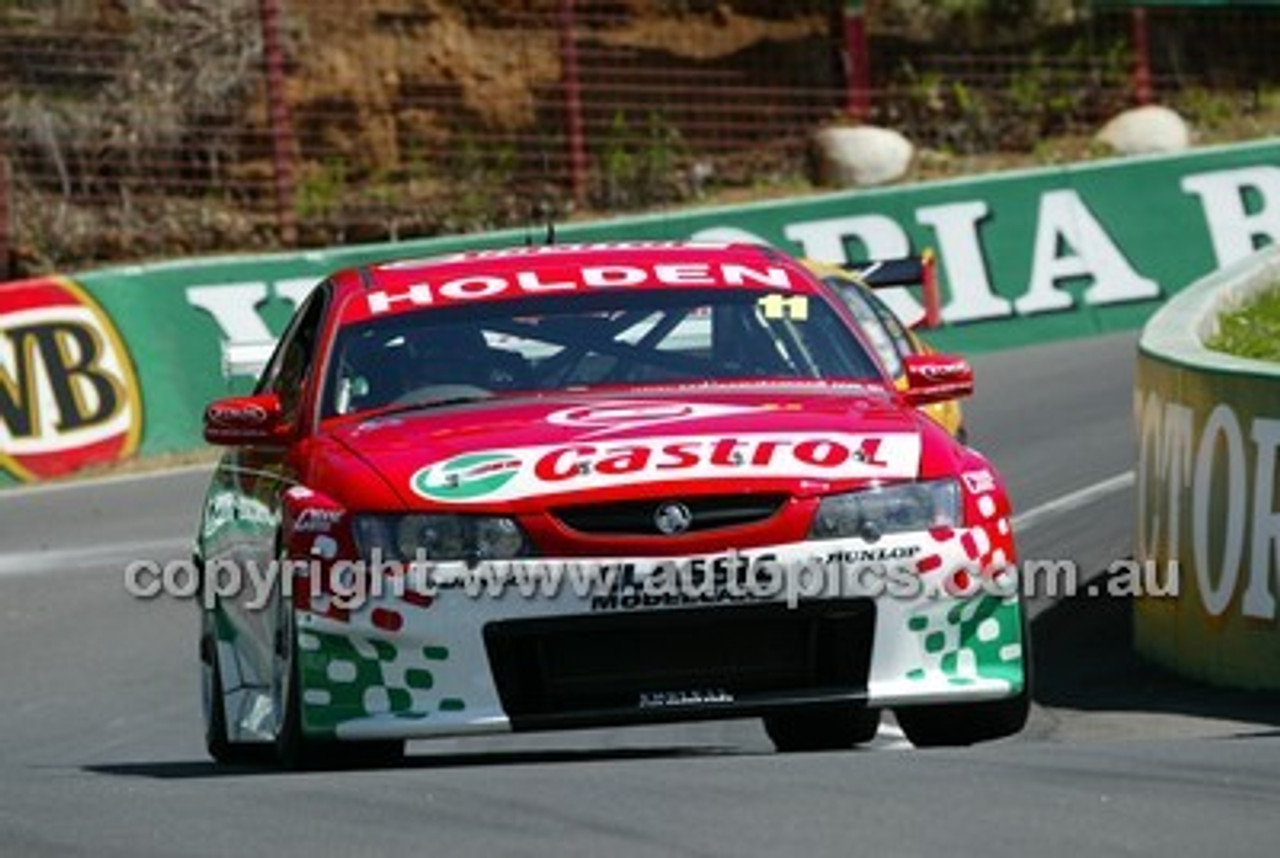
(320, 188)
(1253, 331)
(639, 166)
(1048, 95)
(161, 144)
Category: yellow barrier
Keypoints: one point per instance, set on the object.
(1208, 429)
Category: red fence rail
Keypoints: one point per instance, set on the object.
(246, 124)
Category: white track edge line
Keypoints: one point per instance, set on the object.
(107, 481)
(35, 562)
(1073, 500)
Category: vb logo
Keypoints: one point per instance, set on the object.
(68, 394)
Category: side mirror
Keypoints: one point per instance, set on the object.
(937, 378)
(239, 420)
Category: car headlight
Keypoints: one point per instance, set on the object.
(440, 537)
(870, 513)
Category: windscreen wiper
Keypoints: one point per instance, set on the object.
(427, 402)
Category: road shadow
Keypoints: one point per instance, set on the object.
(202, 769)
(1084, 659)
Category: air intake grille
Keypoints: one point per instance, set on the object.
(555, 668)
(637, 518)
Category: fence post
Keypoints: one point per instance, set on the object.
(281, 128)
(573, 104)
(857, 61)
(1142, 93)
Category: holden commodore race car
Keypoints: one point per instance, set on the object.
(598, 485)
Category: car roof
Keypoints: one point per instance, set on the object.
(400, 286)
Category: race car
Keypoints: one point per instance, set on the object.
(892, 339)
(598, 485)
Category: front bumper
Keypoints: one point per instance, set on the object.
(407, 665)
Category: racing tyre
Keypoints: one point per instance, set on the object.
(294, 749)
(954, 725)
(968, 724)
(957, 725)
(220, 748)
(827, 729)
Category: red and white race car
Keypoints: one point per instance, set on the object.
(590, 485)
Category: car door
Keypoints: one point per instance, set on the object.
(243, 510)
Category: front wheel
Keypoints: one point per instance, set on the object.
(960, 724)
(295, 750)
(836, 728)
(216, 742)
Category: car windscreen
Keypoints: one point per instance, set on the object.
(624, 338)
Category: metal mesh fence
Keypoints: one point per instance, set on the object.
(161, 127)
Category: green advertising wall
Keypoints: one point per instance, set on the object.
(1208, 428)
(1024, 257)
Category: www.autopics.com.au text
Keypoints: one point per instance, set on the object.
(619, 584)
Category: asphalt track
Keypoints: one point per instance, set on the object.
(101, 752)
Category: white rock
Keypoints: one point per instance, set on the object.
(1144, 130)
(862, 155)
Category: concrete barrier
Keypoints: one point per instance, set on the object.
(1208, 429)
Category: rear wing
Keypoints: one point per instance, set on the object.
(919, 270)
